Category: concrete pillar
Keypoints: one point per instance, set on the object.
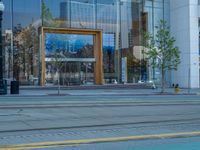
(184, 27)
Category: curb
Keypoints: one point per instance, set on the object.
(86, 87)
(102, 95)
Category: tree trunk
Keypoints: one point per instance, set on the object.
(58, 83)
(163, 81)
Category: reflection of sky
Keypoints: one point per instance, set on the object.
(74, 42)
(108, 42)
(108, 39)
(28, 11)
(24, 12)
(66, 42)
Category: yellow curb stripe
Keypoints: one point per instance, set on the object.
(98, 140)
(37, 147)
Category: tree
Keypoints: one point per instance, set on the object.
(162, 50)
(16, 52)
(26, 50)
(29, 41)
(47, 17)
(58, 63)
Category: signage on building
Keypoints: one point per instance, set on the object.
(124, 69)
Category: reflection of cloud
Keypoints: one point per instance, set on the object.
(108, 39)
(73, 37)
(137, 51)
(67, 42)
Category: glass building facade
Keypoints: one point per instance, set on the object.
(121, 22)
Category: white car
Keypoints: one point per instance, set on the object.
(141, 81)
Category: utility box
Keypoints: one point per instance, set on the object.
(3, 87)
(14, 89)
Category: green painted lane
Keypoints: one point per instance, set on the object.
(180, 146)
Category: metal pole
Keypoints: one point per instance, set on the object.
(3, 84)
(1, 48)
(95, 13)
(120, 41)
(11, 72)
(189, 84)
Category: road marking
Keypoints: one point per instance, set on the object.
(65, 143)
(107, 101)
(36, 147)
(99, 104)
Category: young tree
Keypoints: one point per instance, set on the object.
(162, 50)
(57, 62)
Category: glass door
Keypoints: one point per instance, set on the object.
(78, 73)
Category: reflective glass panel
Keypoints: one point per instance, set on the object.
(69, 58)
(26, 21)
(69, 45)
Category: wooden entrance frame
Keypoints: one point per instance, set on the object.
(98, 53)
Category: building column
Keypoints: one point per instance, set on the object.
(184, 27)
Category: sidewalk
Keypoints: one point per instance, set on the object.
(121, 90)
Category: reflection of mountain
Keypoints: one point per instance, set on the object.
(85, 52)
(78, 44)
(66, 42)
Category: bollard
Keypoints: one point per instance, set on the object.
(177, 89)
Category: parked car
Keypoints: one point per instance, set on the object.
(141, 81)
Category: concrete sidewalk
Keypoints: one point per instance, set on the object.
(122, 90)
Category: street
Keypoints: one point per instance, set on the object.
(100, 122)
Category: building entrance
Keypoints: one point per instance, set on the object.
(72, 72)
(79, 73)
(72, 55)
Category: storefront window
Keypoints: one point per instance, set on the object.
(121, 22)
(69, 55)
(7, 39)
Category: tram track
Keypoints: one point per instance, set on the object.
(96, 105)
(99, 114)
(142, 123)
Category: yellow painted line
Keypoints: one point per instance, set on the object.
(36, 147)
(98, 140)
(25, 148)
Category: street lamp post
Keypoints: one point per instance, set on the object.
(109, 64)
(3, 84)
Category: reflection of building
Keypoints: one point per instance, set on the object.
(8, 54)
(64, 10)
(121, 22)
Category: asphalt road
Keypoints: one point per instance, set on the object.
(100, 122)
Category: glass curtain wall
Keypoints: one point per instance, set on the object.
(120, 20)
(7, 40)
(21, 21)
(157, 10)
(69, 13)
(78, 14)
(131, 49)
(108, 20)
(68, 57)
